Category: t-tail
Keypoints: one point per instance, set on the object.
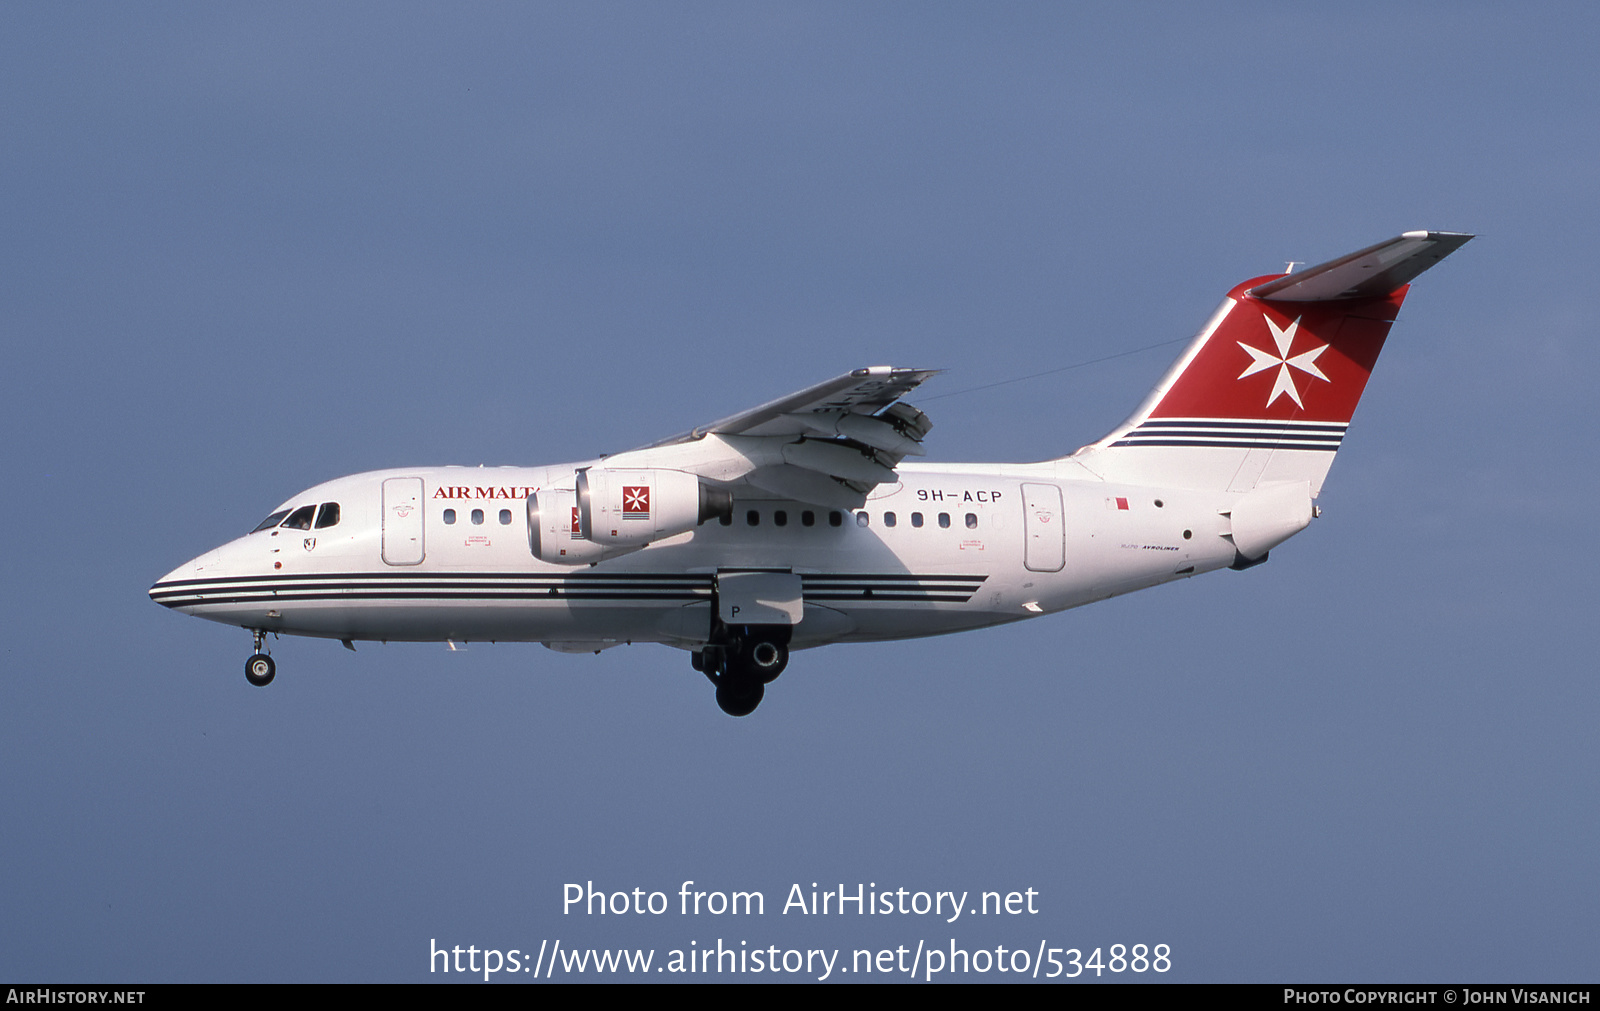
(1263, 395)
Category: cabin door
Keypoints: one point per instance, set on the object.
(402, 521)
(1044, 529)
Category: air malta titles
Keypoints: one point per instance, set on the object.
(506, 491)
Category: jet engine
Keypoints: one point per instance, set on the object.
(553, 529)
(612, 512)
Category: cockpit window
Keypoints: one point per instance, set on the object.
(300, 519)
(329, 516)
(271, 521)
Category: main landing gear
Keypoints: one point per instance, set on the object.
(259, 670)
(744, 660)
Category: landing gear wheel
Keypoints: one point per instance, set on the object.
(738, 697)
(765, 660)
(259, 670)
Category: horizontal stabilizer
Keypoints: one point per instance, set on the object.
(1368, 273)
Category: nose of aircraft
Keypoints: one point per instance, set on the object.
(195, 568)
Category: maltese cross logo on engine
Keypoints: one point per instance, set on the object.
(635, 500)
(1263, 360)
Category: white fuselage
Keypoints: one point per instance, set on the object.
(967, 546)
(802, 521)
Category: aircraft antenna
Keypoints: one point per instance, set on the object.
(1063, 368)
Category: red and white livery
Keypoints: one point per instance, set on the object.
(799, 523)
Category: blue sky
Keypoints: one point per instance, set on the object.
(248, 250)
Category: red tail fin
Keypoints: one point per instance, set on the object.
(1266, 390)
(1299, 362)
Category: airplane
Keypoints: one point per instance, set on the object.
(801, 522)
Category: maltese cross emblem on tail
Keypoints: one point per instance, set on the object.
(1306, 362)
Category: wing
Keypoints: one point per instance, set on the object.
(863, 392)
(827, 444)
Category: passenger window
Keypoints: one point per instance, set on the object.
(835, 518)
(505, 517)
(972, 521)
(808, 518)
(862, 520)
(477, 517)
(329, 516)
(300, 519)
(916, 519)
(888, 519)
(780, 518)
(726, 519)
(449, 516)
(944, 520)
(753, 518)
(271, 521)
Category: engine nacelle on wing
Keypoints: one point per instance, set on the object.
(613, 512)
(554, 531)
(631, 508)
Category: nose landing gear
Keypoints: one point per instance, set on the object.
(259, 670)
